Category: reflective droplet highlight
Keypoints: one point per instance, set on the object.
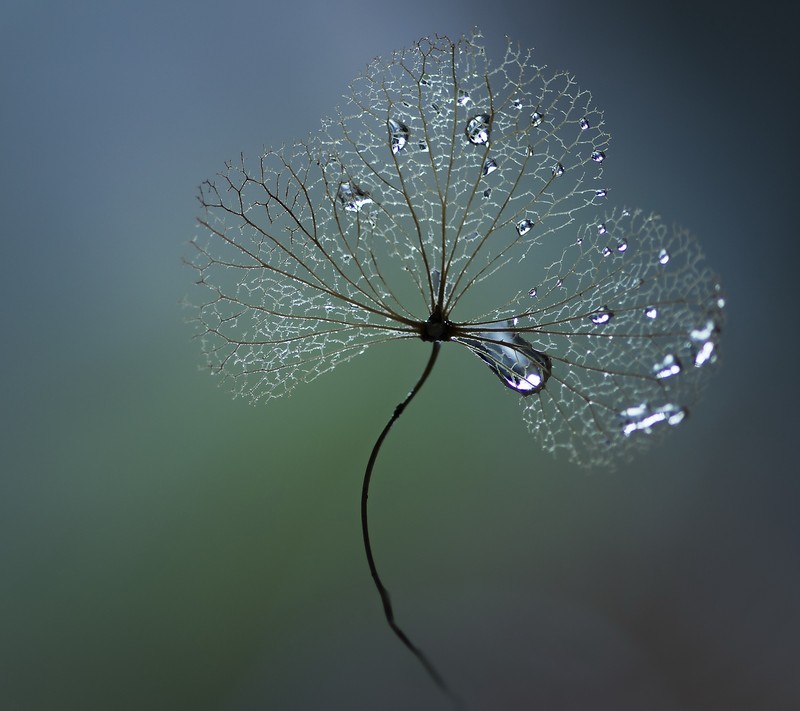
(558, 170)
(602, 316)
(524, 226)
(352, 197)
(536, 118)
(598, 156)
(642, 418)
(651, 312)
(478, 129)
(667, 368)
(463, 98)
(518, 365)
(398, 135)
(663, 256)
(704, 342)
(532, 293)
(622, 246)
(489, 166)
(584, 123)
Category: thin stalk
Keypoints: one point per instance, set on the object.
(384, 593)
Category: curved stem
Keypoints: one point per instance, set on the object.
(384, 593)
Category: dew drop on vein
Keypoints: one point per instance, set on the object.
(517, 364)
(489, 166)
(602, 316)
(524, 226)
(598, 156)
(352, 197)
(668, 367)
(398, 135)
(644, 417)
(478, 129)
(536, 118)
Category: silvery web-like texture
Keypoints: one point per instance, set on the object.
(448, 184)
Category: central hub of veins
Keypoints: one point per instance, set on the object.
(436, 328)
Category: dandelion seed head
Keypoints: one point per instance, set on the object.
(404, 216)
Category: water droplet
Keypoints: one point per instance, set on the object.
(489, 166)
(529, 151)
(559, 283)
(705, 354)
(704, 342)
(532, 293)
(478, 128)
(606, 251)
(463, 98)
(667, 368)
(353, 197)
(487, 193)
(601, 193)
(511, 358)
(622, 246)
(601, 229)
(524, 226)
(423, 146)
(536, 118)
(436, 108)
(579, 240)
(398, 135)
(602, 316)
(663, 256)
(643, 418)
(584, 123)
(651, 312)
(517, 104)
(598, 156)
(472, 235)
(425, 80)
(558, 170)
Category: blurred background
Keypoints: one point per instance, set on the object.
(163, 546)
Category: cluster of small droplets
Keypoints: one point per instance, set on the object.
(441, 174)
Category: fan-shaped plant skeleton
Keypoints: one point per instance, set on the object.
(406, 215)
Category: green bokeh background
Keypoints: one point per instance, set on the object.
(163, 546)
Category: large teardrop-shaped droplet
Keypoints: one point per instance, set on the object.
(511, 358)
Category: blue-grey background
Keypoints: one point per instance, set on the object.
(163, 546)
